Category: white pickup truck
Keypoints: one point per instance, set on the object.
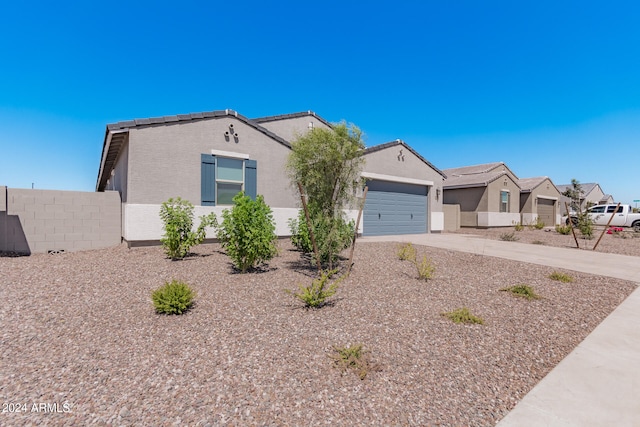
(624, 216)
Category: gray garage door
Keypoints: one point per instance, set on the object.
(395, 208)
(546, 211)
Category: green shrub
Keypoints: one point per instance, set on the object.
(509, 237)
(353, 357)
(524, 291)
(173, 298)
(585, 225)
(519, 226)
(332, 235)
(538, 224)
(563, 229)
(316, 294)
(463, 315)
(425, 268)
(407, 252)
(179, 237)
(561, 277)
(248, 232)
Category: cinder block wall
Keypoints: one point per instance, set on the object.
(36, 221)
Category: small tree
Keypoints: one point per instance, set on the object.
(248, 232)
(574, 193)
(179, 237)
(327, 164)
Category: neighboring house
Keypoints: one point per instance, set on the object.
(539, 199)
(488, 194)
(592, 194)
(206, 158)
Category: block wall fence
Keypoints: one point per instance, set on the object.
(43, 221)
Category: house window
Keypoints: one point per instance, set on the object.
(224, 177)
(229, 179)
(504, 201)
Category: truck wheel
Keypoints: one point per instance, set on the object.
(636, 226)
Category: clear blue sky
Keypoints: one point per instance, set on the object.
(548, 87)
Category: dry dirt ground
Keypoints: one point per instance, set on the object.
(623, 243)
(82, 345)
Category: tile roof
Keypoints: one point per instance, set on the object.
(473, 180)
(290, 116)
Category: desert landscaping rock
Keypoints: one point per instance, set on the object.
(80, 329)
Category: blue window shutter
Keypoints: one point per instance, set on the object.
(250, 178)
(208, 180)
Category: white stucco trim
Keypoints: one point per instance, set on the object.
(392, 178)
(142, 222)
(497, 219)
(229, 154)
(546, 197)
(437, 221)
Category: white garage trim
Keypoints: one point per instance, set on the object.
(547, 197)
(392, 178)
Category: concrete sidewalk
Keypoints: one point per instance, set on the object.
(598, 383)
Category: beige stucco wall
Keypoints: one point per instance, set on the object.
(493, 194)
(451, 217)
(164, 160)
(546, 189)
(469, 199)
(290, 128)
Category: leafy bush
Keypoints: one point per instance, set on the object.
(585, 225)
(538, 224)
(407, 252)
(524, 291)
(509, 237)
(173, 298)
(425, 268)
(248, 232)
(561, 277)
(518, 226)
(179, 237)
(353, 357)
(463, 315)
(316, 294)
(563, 229)
(332, 235)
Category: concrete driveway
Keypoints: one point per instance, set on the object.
(598, 383)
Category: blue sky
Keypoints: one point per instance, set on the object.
(550, 88)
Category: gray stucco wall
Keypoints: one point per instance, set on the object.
(164, 160)
(118, 181)
(49, 220)
(290, 128)
(388, 162)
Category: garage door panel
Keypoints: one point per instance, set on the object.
(546, 211)
(395, 208)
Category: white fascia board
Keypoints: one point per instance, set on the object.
(547, 197)
(392, 178)
(229, 154)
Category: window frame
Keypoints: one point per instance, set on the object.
(504, 205)
(227, 181)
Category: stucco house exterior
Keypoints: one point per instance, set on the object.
(592, 194)
(539, 199)
(488, 194)
(206, 158)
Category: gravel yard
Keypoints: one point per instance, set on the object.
(625, 243)
(79, 330)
